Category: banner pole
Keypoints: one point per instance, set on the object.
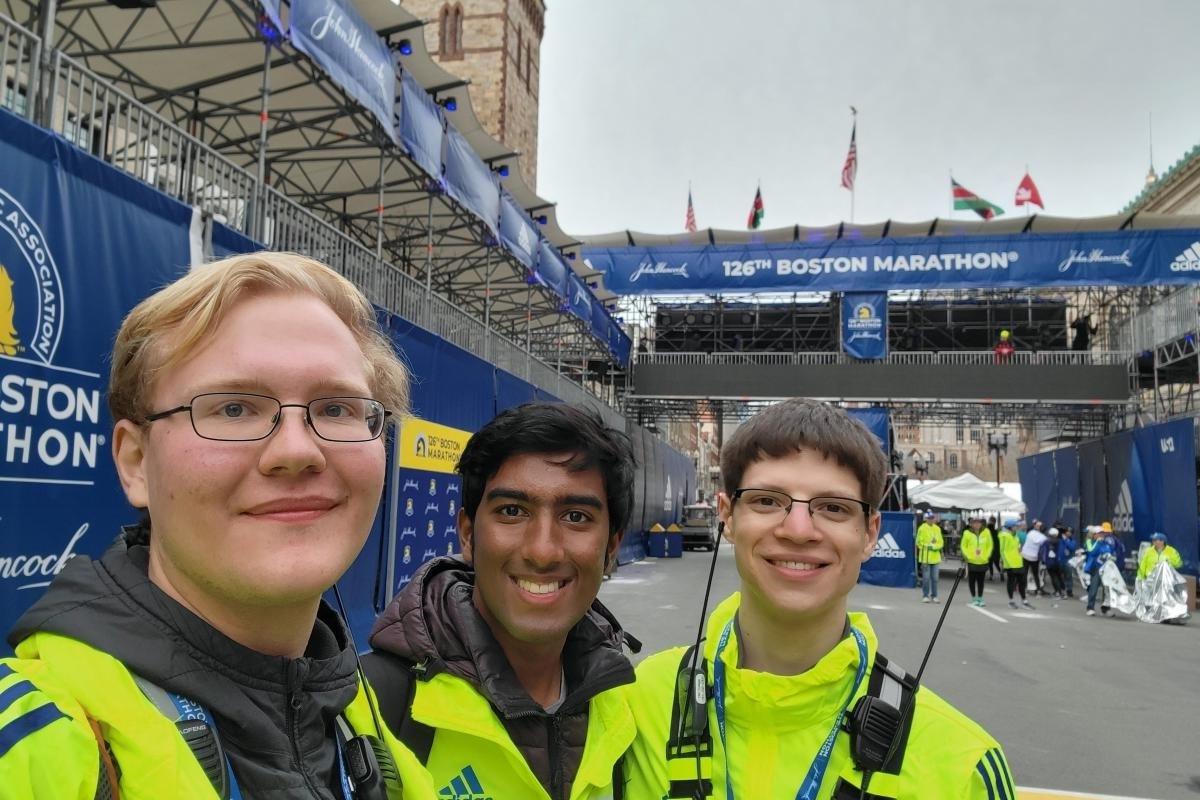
(487, 308)
(260, 227)
(379, 206)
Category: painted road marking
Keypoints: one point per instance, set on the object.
(625, 581)
(1027, 615)
(987, 613)
(879, 608)
(1026, 793)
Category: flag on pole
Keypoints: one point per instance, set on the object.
(966, 200)
(757, 212)
(1027, 192)
(850, 168)
(689, 224)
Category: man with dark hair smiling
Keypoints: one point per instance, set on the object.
(506, 681)
(791, 674)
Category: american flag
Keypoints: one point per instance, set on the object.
(689, 224)
(850, 168)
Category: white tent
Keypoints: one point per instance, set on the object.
(964, 492)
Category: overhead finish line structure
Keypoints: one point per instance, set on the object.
(1119, 251)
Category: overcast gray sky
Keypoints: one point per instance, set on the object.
(640, 96)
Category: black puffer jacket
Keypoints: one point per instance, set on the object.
(433, 621)
(275, 714)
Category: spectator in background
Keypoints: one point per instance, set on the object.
(1030, 552)
(1102, 551)
(1066, 550)
(1004, 348)
(929, 556)
(1084, 330)
(1050, 555)
(1159, 551)
(1118, 547)
(1014, 565)
(976, 548)
(994, 562)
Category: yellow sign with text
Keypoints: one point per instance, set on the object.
(430, 446)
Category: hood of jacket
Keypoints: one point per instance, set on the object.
(278, 710)
(433, 621)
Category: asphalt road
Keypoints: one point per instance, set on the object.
(1096, 705)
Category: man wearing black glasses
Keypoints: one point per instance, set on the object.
(196, 657)
(794, 685)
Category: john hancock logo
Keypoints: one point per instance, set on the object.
(864, 323)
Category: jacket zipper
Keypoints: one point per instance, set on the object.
(556, 787)
(293, 726)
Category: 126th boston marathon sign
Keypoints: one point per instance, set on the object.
(1107, 258)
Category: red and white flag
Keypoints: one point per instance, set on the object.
(689, 224)
(1027, 192)
(850, 168)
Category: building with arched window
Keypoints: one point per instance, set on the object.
(496, 45)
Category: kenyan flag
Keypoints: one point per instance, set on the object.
(966, 200)
(754, 221)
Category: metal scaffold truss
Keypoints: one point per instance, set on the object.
(203, 100)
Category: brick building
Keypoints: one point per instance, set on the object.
(496, 45)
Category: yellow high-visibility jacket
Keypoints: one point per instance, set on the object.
(776, 724)
(929, 543)
(55, 684)
(976, 548)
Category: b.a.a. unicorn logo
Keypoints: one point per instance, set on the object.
(31, 293)
(10, 345)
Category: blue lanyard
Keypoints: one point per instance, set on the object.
(816, 771)
(190, 709)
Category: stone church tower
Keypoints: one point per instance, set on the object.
(496, 45)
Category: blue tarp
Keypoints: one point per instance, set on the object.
(1065, 484)
(1167, 456)
(421, 126)
(878, 422)
(517, 231)
(1110, 258)
(342, 43)
(470, 181)
(227, 242)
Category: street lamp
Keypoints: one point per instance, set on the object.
(998, 443)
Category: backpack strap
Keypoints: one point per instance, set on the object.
(394, 681)
(689, 746)
(108, 782)
(879, 731)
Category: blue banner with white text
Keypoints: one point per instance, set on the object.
(517, 232)
(80, 244)
(1166, 454)
(864, 324)
(1108, 258)
(470, 181)
(332, 33)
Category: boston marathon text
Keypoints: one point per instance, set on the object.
(917, 262)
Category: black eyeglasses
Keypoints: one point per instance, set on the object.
(774, 506)
(242, 417)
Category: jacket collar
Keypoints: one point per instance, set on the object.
(433, 621)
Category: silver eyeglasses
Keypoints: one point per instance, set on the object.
(773, 506)
(242, 417)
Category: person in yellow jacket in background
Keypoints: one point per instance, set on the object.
(1158, 551)
(976, 548)
(929, 556)
(1011, 561)
(196, 658)
(788, 666)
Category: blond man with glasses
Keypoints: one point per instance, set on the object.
(787, 695)
(196, 657)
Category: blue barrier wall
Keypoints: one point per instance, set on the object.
(894, 562)
(80, 244)
(1142, 481)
